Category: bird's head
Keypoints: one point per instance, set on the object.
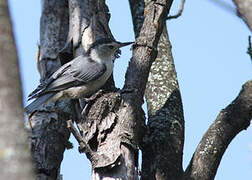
(106, 48)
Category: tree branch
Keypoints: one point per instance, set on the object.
(244, 8)
(249, 51)
(163, 145)
(114, 124)
(231, 120)
(145, 48)
(49, 136)
(180, 11)
(100, 129)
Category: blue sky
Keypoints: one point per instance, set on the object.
(209, 45)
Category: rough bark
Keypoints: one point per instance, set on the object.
(146, 44)
(145, 51)
(49, 134)
(88, 23)
(114, 123)
(137, 12)
(244, 8)
(163, 143)
(15, 160)
(231, 120)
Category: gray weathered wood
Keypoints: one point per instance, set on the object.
(163, 143)
(231, 121)
(49, 134)
(163, 146)
(114, 124)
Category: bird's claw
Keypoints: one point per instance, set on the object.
(117, 54)
(94, 96)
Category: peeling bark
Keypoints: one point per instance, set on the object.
(231, 120)
(15, 160)
(49, 134)
(114, 124)
(88, 23)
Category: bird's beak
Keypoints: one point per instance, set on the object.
(124, 44)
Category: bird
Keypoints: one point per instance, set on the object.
(81, 77)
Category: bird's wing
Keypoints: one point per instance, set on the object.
(41, 87)
(78, 72)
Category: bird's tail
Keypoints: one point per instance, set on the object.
(39, 101)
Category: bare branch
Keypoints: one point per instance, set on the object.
(180, 11)
(145, 48)
(244, 8)
(249, 52)
(231, 120)
(83, 146)
(163, 144)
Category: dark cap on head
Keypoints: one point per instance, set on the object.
(101, 41)
(106, 41)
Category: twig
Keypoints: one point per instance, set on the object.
(84, 147)
(181, 8)
(249, 52)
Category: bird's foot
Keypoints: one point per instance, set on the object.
(94, 96)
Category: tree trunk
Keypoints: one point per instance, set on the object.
(49, 133)
(163, 147)
(15, 160)
(164, 139)
(113, 127)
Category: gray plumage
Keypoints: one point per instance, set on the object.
(39, 101)
(80, 77)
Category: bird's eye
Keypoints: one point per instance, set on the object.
(111, 47)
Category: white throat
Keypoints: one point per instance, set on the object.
(100, 57)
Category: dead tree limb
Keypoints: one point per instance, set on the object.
(114, 124)
(231, 120)
(49, 134)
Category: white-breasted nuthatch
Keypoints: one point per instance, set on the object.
(80, 77)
